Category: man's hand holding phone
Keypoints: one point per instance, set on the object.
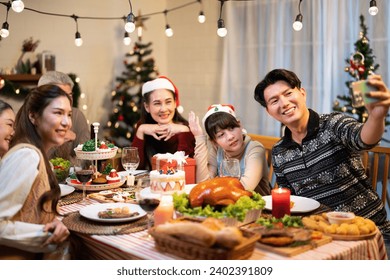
(360, 89)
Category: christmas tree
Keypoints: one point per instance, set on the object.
(359, 66)
(127, 96)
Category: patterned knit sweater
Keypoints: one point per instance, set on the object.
(328, 167)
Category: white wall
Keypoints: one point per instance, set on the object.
(191, 58)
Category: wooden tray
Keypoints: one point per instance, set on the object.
(292, 251)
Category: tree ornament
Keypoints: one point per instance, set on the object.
(336, 103)
(356, 62)
(120, 118)
(344, 109)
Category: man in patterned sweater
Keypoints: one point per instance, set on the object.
(318, 157)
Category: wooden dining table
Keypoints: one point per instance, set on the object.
(109, 242)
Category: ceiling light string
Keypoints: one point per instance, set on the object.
(17, 6)
(297, 25)
(4, 32)
(373, 10)
(221, 31)
(201, 16)
(78, 41)
(168, 29)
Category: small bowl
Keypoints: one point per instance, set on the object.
(340, 217)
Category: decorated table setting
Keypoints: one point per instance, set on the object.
(215, 219)
(184, 237)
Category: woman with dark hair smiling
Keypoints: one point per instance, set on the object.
(7, 123)
(29, 191)
(161, 128)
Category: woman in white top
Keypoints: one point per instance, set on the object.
(29, 191)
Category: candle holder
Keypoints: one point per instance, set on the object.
(280, 202)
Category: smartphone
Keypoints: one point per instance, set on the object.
(359, 93)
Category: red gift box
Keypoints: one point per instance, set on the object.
(189, 167)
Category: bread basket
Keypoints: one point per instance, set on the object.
(186, 250)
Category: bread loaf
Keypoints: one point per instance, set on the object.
(189, 231)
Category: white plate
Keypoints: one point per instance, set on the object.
(146, 193)
(65, 189)
(94, 187)
(91, 212)
(301, 204)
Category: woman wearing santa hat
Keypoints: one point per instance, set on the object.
(228, 141)
(161, 128)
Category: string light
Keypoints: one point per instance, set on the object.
(201, 17)
(17, 6)
(221, 31)
(130, 20)
(126, 39)
(4, 32)
(373, 10)
(297, 25)
(78, 41)
(168, 29)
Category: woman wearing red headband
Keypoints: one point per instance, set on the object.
(161, 128)
(228, 141)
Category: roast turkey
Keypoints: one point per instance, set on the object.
(219, 191)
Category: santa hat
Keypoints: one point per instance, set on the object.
(162, 82)
(216, 108)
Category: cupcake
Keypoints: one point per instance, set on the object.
(113, 177)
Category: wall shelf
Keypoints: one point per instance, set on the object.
(22, 79)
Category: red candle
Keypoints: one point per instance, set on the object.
(280, 202)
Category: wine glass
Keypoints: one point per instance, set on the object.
(130, 160)
(148, 202)
(84, 171)
(230, 168)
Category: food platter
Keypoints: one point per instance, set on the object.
(146, 192)
(65, 189)
(352, 237)
(301, 204)
(94, 187)
(91, 212)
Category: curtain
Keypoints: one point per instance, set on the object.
(261, 38)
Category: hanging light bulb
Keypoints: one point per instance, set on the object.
(78, 41)
(130, 20)
(17, 6)
(297, 25)
(373, 10)
(168, 31)
(130, 23)
(201, 17)
(222, 31)
(126, 39)
(4, 33)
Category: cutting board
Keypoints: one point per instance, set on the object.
(292, 251)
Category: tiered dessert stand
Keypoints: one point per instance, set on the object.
(98, 154)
